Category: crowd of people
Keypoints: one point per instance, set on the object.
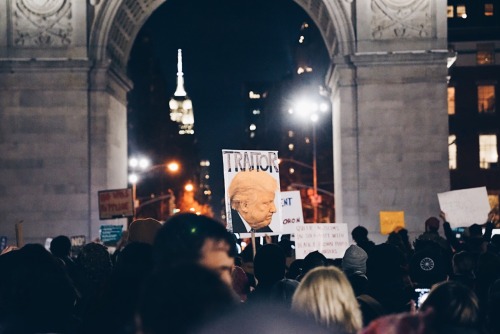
(187, 276)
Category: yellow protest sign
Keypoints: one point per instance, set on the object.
(391, 220)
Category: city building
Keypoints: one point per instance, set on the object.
(474, 78)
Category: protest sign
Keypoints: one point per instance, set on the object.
(465, 207)
(116, 203)
(77, 243)
(110, 234)
(391, 220)
(291, 211)
(251, 182)
(331, 240)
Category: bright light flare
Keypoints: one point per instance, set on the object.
(133, 178)
(189, 187)
(173, 167)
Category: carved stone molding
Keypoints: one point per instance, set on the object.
(401, 19)
(40, 23)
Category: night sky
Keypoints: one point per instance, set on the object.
(224, 44)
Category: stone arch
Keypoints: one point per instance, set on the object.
(117, 24)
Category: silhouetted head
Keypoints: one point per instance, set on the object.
(269, 264)
(60, 246)
(359, 233)
(432, 224)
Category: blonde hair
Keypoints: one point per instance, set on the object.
(245, 183)
(326, 295)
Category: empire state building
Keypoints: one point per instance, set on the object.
(181, 107)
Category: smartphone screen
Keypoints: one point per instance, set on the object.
(421, 295)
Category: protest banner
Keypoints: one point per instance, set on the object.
(115, 203)
(391, 220)
(331, 240)
(252, 196)
(465, 207)
(291, 211)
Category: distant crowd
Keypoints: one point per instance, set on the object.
(189, 275)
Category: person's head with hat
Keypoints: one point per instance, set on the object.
(354, 261)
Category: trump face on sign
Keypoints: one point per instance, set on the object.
(251, 194)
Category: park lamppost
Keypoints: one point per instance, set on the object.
(308, 109)
(140, 166)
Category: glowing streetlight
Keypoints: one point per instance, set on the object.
(312, 110)
(189, 187)
(173, 166)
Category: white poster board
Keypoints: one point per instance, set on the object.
(291, 211)
(246, 173)
(331, 240)
(465, 207)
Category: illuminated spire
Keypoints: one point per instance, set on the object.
(180, 91)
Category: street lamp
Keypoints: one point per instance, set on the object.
(311, 110)
(141, 166)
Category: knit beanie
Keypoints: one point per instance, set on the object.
(354, 260)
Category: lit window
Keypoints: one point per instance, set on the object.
(452, 152)
(485, 54)
(487, 151)
(461, 11)
(307, 140)
(301, 39)
(291, 170)
(486, 98)
(291, 147)
(252, 134)
(256, 112)
(450, 12)
(205, 163)
(488, 9)
(253, 127)
(300, 70)
(451, 100)
(290, 133)
(252, 95)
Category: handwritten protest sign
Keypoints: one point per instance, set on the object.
(291, 211)
(116, 203)
(391, 220)
(331, 240)
(251, 181)
(465, 207)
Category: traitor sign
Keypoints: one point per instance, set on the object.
(117, 203)
(331, 240)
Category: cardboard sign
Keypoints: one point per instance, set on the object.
(465, 207)
(391, 220)
(331, 240)
(251, 182)
(291, 211)
(116, 203)
(110, 234)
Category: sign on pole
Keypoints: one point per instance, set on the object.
(116, 203)
(331, 240)
(465, 207)
(252, 188)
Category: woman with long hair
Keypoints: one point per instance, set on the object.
(326, 295)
